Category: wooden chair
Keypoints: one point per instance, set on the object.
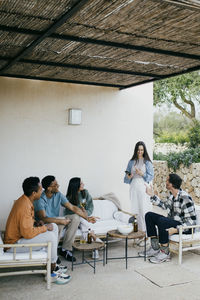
(181, 242)
(26, 259)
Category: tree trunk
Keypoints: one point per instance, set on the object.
(192, 114)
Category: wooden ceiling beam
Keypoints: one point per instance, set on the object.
(61, 80)
(88, 68)
(196, 68)
(103, 43)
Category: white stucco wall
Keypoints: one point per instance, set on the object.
(36, 139)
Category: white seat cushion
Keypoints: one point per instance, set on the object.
(42, 254)
(21, 256)
(102, 227)
(185, 237)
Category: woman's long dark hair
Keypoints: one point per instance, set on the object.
(73, 189)
(145, 154)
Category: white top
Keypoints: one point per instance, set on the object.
(139, 165)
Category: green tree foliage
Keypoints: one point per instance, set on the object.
(173, 137)
(181, 91)
(170, 128)
(194, 134)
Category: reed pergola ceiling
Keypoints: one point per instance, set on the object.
(116, 43)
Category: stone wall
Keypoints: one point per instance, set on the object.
(190, 176)
(165, 148)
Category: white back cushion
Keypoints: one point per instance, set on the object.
(122, 217)
(1, 243)
(104, 209)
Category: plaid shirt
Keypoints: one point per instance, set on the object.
(180, 208)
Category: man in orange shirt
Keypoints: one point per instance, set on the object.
(21, 227)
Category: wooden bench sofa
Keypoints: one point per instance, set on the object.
(29, 261)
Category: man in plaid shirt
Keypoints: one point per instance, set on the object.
(180, 211)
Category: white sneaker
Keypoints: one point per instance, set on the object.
(160, 258)
(59, 278)
(149, 252)
(60, 269)
(63, 279)
(95, 253)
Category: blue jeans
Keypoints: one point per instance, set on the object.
(157, 224)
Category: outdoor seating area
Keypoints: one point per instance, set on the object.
(113, 281)
(111, 216)
(91, 209)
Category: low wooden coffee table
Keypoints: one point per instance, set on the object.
(88, 247)
(130, 236)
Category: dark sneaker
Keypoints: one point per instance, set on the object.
(58, 262)
(67, 255)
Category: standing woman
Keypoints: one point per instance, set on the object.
(139, 171)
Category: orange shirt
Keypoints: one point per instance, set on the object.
(20, 223)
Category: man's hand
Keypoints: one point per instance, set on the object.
(92, 219)
(38, 223)
(49, 227)
(64, 221)
(172, 230)
(149, 190)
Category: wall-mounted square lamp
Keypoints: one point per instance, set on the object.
(74, 116)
